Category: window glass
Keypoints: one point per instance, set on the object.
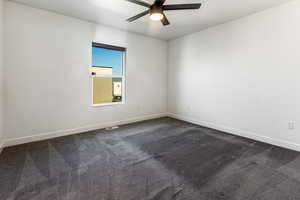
(107, 74)
(107, 61)
(107, 90)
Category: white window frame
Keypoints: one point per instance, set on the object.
(123, 76)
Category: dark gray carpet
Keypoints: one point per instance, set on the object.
(163, 159)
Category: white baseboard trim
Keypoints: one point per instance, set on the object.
(60, 133)
(1, 146)
(245, 134)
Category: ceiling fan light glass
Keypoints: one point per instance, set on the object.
(156, 16)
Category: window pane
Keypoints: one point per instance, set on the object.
(107, 90)
(106, 61)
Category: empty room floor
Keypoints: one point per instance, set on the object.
(162, 159)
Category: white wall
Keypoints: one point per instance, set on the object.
(242, 76)
(1, 71)
(47, 82)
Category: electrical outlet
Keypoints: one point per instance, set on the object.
(188, 108)
(291, 125)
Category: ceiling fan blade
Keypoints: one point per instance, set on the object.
(159, 2)
(182, 6)
(165, 20)
(138, 16)
(139, 2)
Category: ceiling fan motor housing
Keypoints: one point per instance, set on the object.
(156, 9)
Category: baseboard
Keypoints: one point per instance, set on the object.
(1, 146)
(241, 133)
(59, 133)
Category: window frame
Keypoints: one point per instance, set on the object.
(123, 76)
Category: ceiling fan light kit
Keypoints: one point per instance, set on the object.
(156, 10)
(156, 14)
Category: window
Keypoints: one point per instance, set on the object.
(108, 69)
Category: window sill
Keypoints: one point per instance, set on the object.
(107, 104)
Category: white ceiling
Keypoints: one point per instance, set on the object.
(115, 12)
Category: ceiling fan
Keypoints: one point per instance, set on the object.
(156, 10)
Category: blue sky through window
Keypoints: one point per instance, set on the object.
(108, 58)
